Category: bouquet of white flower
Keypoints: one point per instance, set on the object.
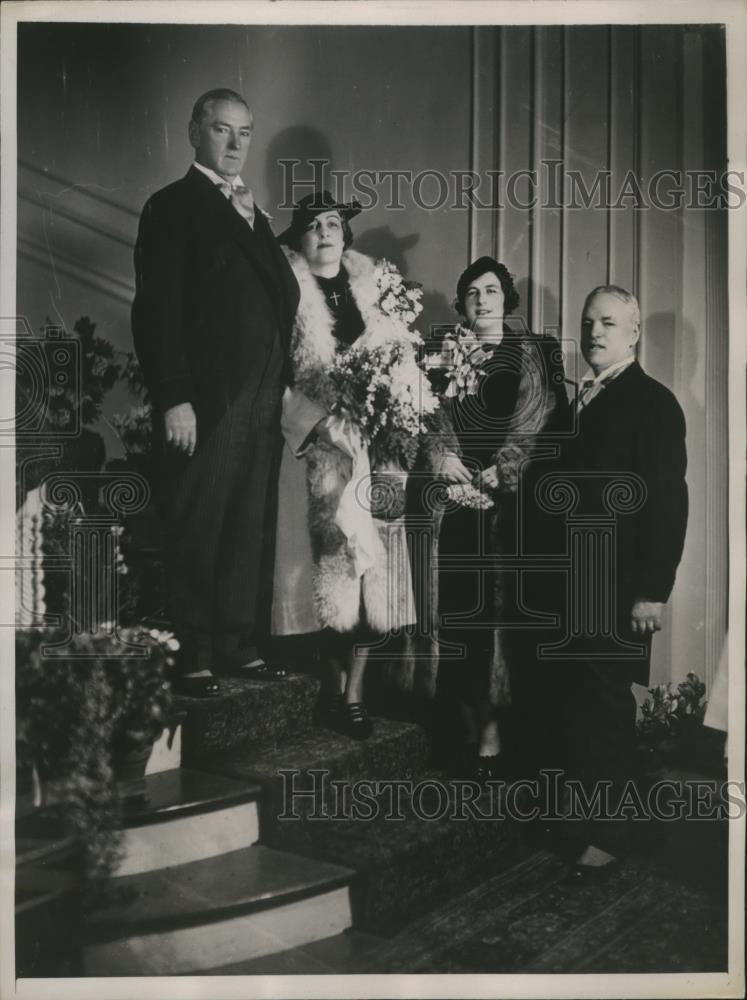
(386, 396)
(461, 363)
(398, 298)
(467, 495)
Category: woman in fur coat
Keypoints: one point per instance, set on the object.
(514, 402)
(339, 572)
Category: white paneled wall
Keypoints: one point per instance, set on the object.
(624, 99)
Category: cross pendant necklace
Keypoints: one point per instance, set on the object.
(335, 298)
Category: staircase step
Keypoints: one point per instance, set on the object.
(331, 956)
(406, 863)
(48, 887)
(247, 713)
(192, 917)
(44, 840)
(310, 761)
(187, 816)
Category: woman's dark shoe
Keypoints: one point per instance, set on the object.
(200, 686)
(355, 721)
(270, 672)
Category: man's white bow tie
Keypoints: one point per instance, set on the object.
(242, 200)
(588, 390)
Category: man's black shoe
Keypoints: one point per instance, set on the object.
(204, 686)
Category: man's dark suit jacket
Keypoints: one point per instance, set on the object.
(212, 318)
(211, 296)
(634, 425)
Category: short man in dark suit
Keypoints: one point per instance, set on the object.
(213, 311)
(624, 459)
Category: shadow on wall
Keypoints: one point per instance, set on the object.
(659, 334)
(437, 312)
(288, 184)
(658, 345)
(382, 242)
(311, 151)
(665, 339)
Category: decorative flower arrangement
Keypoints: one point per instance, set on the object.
(56, 528)
(670, 711)
(84, 395)
(398, 298)
(467, 495)
(99, 373)
(461, 363)
(77, 714)
(141, 695)
(385, 394)
(132, 374)
(72, 401)
(134, 429)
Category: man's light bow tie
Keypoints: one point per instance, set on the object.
(242, 200)
(588, 390)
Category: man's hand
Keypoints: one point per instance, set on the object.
(646, 617)
(487, 479)
(452, 470)
(180, 425)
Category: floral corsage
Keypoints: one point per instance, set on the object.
(462, 358)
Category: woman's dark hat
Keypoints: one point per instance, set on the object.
(312, 205)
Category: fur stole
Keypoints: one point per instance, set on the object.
(313, 343)
(385, 589)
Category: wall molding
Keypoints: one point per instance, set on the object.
(57, 222)
(640, 73)
(56, 262)
(717, 360)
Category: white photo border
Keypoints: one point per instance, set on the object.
(733, 14)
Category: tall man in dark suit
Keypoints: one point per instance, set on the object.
(624, 463)
(214, 306)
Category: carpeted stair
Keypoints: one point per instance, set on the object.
(222, 866)
(407, 858)
(254, 859)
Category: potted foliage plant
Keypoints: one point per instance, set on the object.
(76, 403)
(79, 716)
(671, 722)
